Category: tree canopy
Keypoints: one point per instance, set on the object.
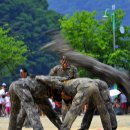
(95, 38)
(12, 52)
(30, 20)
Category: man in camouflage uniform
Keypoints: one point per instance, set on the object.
(72, 87)
(83, 90)
(64, 69)
(89, 113)
(68, 71)
(24, 74)
(104, 92)
(27, 92)
(66, 103)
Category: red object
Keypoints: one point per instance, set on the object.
(123, 105)
(58, 104)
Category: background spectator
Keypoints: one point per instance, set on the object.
(123, 101)
(7, 104)
(2, 96)
(117, 107)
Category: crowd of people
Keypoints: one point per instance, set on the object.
(121, 105)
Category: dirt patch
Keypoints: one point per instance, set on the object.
(123, 123)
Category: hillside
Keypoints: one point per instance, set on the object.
(70, 6)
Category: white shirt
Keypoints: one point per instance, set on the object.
(2, 92)
(123, 98)
(52, 103)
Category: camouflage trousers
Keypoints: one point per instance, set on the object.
(65, 107)
(83, 96)
(46, 107)
(27, 103)
(27, 123)
(103, 88)
(21, 97)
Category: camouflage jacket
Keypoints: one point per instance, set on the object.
(71, 72)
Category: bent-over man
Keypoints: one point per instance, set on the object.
(82, 90)
(27, 92)
(64, 69)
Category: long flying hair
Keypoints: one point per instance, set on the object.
(106, 72)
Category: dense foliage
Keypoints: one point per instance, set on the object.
(12, 53)
(95, 38)
(30, 20)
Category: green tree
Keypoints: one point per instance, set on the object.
(12, 53)
(30, 20)
(120, 57)
(94, 37)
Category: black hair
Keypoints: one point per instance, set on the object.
(63, 58)
(24, 70)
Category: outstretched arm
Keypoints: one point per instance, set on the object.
(53, 81)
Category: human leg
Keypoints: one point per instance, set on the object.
(15, 107)
(103, 88)
(74, 110)
(28, 105)
(65, 107)
(99, 102)
(50, 113)
(21, 118)
(86, 121)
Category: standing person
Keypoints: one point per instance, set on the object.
(7, 104)
(24, 74)
(2, 94)
(40, 102)
(64, 69)
(28, 92)
(123, 101)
